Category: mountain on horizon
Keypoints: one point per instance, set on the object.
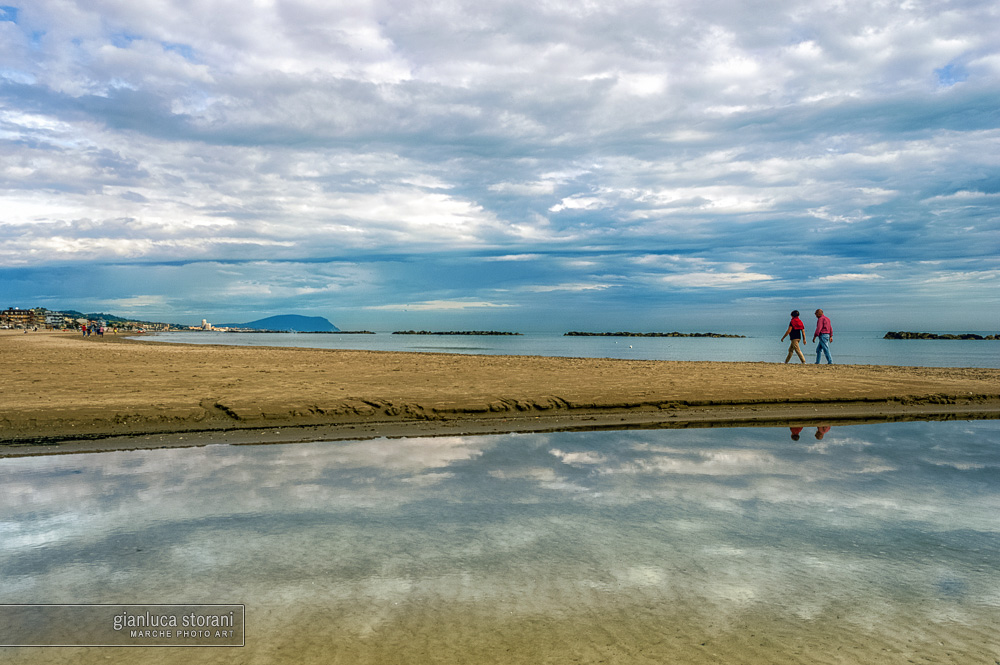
(286, 322)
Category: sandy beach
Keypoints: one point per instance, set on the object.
(62, 392)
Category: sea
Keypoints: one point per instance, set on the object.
(849, 347)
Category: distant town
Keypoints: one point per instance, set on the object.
(39, 318)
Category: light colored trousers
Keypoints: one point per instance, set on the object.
(794, 348)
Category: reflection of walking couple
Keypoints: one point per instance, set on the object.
(795, 334)
(820, 432)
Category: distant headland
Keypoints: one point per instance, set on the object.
(924, 335)
(285, 323)
(652, 334)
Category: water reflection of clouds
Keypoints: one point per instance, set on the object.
(738, 516)
(844, 439)
(385, 456)
(150, 478)
(698, 463)
(150, 485)
(580, 458)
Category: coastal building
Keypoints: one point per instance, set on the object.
(55, 320)
(15, 317)
(40, 317)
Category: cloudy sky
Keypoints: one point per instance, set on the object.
(525, 165)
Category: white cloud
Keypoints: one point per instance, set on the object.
(537, 188)
(580, 286)
(440, 306)
(964, 196)
(851, 277)
(136, 303)
(714, 279)
(968, 277)
(580, 203)
(515, 257)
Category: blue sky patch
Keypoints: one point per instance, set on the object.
(951, 74)
(184, 50)
(123, 39)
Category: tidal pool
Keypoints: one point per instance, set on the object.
(860, 544)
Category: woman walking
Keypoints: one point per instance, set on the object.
(795, 335)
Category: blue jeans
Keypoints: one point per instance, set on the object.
(824, 347)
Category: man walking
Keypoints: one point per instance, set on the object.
(824, 331)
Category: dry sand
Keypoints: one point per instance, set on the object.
(62, 390)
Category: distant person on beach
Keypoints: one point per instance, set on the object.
(796, 431)
(821, 431)
(795, 334)
(824, 331)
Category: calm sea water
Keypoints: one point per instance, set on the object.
(856, 348)
(860, 544)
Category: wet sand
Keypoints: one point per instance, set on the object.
(110, 393)
(610, 633)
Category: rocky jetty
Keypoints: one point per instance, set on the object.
(653, 334)
(454, 332)
(924, 335)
